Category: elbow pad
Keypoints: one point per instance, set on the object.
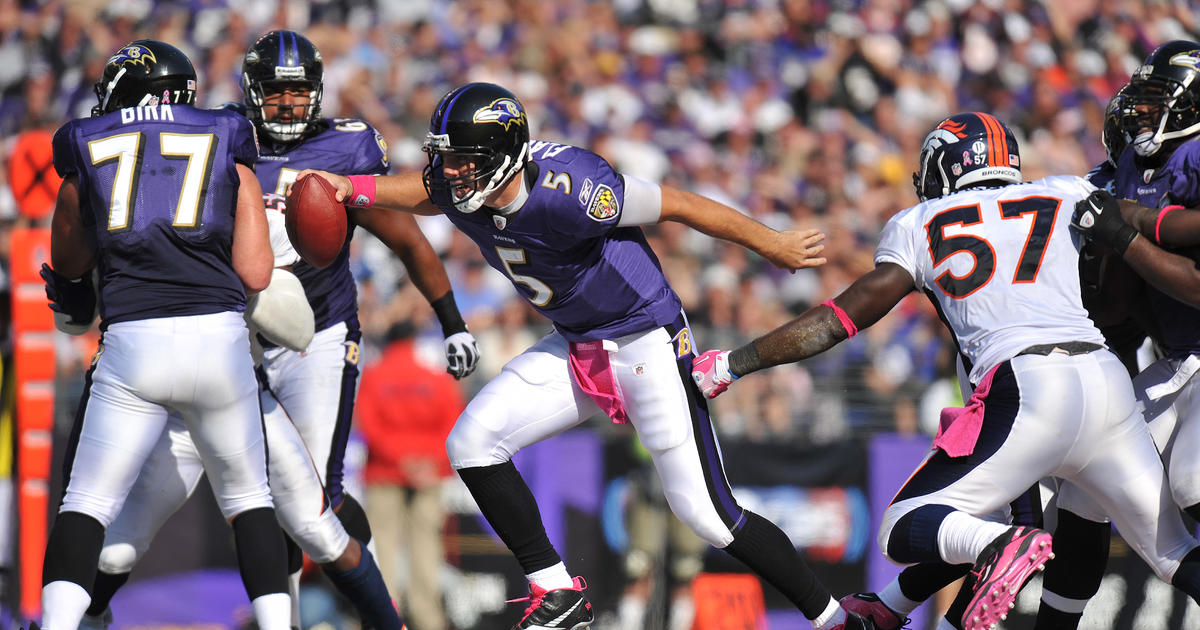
(281, 312)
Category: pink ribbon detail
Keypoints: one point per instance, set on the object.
(959, 427)
(593, 373)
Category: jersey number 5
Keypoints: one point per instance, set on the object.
(941, 246)
(126, 149)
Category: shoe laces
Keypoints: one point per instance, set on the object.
(537, 594)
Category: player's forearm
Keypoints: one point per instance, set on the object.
(70, 255)
(714, 219)
(1175, 275)
(1171, 226)
(252, 257)
(812, 333)
(403, 191)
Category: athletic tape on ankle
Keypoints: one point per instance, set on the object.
(362, 191)
(851, 329)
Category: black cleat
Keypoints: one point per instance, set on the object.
(558, 609)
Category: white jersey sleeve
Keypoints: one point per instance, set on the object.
(898, 245)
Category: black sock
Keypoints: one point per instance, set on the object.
(363, 586)
(261, 553)
(295, 557)
(73, 550)
(354, 518)
(508, 505)
(106, 586)
(1187, 576)
(1077, 568)
(763, 547)
(1193, 511)
(1050, 618)
(920, 582)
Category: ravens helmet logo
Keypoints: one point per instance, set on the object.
(134, 54)
(502, 111)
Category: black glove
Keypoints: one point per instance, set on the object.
(1098, 218)
(74, 298)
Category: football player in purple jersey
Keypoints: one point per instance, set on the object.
(161, 200)
(565, 228)
(310, 387)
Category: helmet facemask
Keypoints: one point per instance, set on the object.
(282, 131)
(481, 171)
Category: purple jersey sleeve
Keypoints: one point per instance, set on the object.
(243, 141)
(66, 161)
(1183, 176)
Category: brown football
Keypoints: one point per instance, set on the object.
(315, 220)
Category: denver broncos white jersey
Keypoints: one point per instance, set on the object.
(1000, 264)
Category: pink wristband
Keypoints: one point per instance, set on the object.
(362, 191)
(851, 329)
(1158, 222)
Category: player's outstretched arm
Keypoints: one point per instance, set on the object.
(1171, 226)
(816, 330)
(252, 256)
(789, 249)
(402, 191)
(1100, 217)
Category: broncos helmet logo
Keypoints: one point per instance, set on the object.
(132, 55)
(502, 111)
(955, 127)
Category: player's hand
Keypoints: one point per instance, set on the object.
(1098, 218)
(462, 354)
(74, 300)
(797, 249)
(341, 183)
(711, 372)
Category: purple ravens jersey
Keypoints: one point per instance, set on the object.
(341, 145)
(158, 190)
(564, 252)
(1176, 181)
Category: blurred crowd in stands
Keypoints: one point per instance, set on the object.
(801, 113)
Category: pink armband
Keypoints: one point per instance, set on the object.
(1161, 215)
(851, 329)
(362, 191)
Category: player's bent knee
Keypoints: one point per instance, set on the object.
(702, 519)
(323, 539)
(119, 558)
(469, 445)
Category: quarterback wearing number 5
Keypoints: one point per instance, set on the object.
(564, 227)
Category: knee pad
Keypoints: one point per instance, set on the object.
(471, 446)
(119, 557)
(702, 518)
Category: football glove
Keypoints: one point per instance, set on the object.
(1098, 218)
(462, 354)
(711, 372)
(73, 301)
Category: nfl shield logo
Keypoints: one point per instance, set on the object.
(500, 221)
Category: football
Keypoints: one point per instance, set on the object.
(315, 220)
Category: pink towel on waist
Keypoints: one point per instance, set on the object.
(593, 373)
(959, 427)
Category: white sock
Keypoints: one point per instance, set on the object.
(294, 593)
(894, 598)
(552, 578)
(832, 616)
(944, 624)
(63, 605)
(962, 537)
(683, 613)
(273, 611)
